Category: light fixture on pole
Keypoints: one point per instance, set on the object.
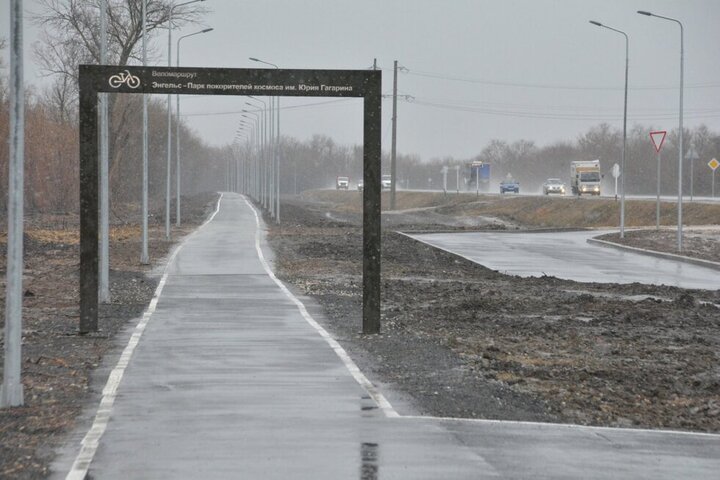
(177, 129)
(680, 133)
(624, 149)
(168, 182)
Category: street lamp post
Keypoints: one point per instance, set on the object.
(267, 120)
(624, 149)
(258, 146)
(11, 391)
(277, 146)
(262, 132)
(249, 131)
(680, 149)
(239, 165)
(104, 225)
(177, 130)
(169, 120)
(250, 181)
(144, 257)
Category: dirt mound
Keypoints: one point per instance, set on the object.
(518, 211)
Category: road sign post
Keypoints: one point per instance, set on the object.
(616, 174)
(658, 139)
(444, 172)
(691, 157)
(713, 164)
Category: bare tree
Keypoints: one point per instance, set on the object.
(70, 37)
(71, 33)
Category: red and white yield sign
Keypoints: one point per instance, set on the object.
(658, 138)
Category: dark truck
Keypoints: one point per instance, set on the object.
(477, 176)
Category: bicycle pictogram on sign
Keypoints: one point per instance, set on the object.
(124, 77)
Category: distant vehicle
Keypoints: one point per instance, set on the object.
(477, 171)
(360, 186)
(585, 177)
(509, 186)
(553, 185)
(386, 182)
(342, 183)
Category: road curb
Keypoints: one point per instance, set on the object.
(654, 253)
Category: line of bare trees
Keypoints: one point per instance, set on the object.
(70, 37)
(316, 163)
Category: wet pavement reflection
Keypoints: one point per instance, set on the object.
(369, 467)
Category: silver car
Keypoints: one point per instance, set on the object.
(553, 185)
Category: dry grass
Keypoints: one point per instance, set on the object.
(548, 212)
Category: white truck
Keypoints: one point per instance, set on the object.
(342, 183)
(585, 177)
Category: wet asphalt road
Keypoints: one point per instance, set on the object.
(229, 380)
(568, 255)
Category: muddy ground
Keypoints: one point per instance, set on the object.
(457, 340)
(461, 340)
(57, 362)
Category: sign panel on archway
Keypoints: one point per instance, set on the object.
(94, 79)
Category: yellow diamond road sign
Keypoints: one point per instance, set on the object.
(713, 164)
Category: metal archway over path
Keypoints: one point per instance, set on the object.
(94, 79)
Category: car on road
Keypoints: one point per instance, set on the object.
(360, 186)
(386, 182)
(553, 185)
(509, 185)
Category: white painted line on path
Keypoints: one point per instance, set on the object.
(571, 426)
(355, 371)
(90, 442)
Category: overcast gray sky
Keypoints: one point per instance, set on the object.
(478, 69)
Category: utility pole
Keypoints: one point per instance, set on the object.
(393, 158)
(11, 392)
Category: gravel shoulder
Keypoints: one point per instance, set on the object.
(461, 340)
(57, 362)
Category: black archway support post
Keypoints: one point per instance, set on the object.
(89, 205)
(372, 189)
(94, 79)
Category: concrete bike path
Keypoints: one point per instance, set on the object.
(229, 377)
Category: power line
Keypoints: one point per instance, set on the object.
(554, 108)
(291, 107)
(555, 116)
(456, 78)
